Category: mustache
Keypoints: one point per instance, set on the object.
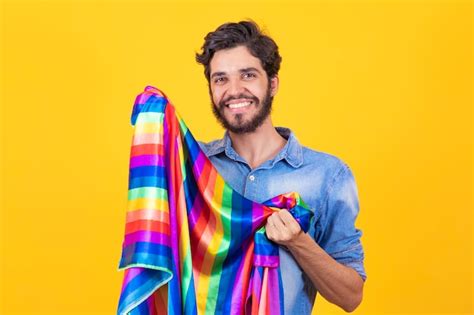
(240, 96)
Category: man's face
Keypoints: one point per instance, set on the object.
(240, 90)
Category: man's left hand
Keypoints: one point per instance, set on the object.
(282, 228)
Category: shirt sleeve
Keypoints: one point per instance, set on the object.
(335, 230)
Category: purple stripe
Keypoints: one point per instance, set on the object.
(169, 145)
(147, 236)
(266, 260)
(146, 160)
(255, 284)
(130, 274)
(199, 164)
(257, 214)
(142, 98)
(237, 290)
(195, 212)
(273, 294)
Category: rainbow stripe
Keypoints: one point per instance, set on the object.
(192, 244)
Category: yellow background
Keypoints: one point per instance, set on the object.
(384, 85)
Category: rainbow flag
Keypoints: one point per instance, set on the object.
(192, 244)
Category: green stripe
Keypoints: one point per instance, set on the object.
(147, 192)
(150, 117)
(187, 273)
(226, 219)
(183, 127)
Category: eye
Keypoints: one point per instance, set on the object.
(220, 80)
(249, 75)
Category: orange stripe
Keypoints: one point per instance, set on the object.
(148, 214)
(263, 303)
(161, 300)
(246, 267)
(147, 149)
(204, 228)
(200, 227)
(207, 178)
(147, 225)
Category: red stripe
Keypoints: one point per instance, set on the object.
(246, 266)
(147, 225)
(204, 181)
(147, 149)
(161, 302)
(199, 244)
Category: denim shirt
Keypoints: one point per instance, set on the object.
(326, 185)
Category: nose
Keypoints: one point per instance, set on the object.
(235, 87)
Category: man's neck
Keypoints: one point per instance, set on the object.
(259, 146)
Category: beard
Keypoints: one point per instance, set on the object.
(240, 126)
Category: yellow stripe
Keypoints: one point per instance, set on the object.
(185, 243)
(213, 246)
(148, 203)
(181, 159)
(148, 128)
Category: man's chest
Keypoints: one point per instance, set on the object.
(266, 182)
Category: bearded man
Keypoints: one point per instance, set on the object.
(261, 161)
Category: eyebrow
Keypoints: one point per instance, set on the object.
(250, 69)
(245, 70)
(217, 74)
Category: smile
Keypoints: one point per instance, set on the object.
(239, 105)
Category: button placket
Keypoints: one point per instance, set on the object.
(251, 186)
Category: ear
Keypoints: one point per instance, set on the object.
(274, 83)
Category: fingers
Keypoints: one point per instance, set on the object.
(276, 221)
(289, 221)
(270, 229)
(282, 228)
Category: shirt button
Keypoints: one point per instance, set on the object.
(252, 178)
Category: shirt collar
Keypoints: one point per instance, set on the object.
(292, 152)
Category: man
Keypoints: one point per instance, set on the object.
(260, 161)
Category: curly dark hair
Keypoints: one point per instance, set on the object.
(243, 33)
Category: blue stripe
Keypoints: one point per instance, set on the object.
(190, 306)
(265, 248)
(192, 146)
(149, 181)
(140, 286)
(241, 230)
(146, 253)
(155, 104)
(144, 171)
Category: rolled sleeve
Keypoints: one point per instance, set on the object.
(335, 230)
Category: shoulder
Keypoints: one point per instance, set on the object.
(330, 162)
(212, 147)
(337, 175)
(204, 145)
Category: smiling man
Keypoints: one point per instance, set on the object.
(261, 161)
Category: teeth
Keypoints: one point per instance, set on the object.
(239, 105)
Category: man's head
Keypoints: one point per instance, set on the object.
(241, 65)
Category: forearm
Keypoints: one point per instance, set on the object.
(337, 283)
